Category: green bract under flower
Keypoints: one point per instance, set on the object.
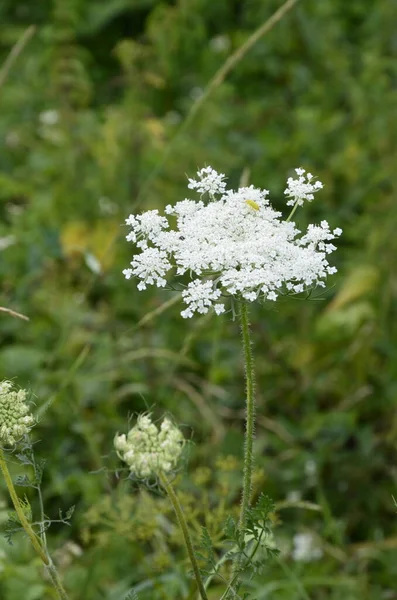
(149, 450)
(15, 418)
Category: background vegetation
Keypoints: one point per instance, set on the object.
(89, 116)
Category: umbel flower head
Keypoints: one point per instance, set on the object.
(149, 450)
(232, 244)
(15, 418)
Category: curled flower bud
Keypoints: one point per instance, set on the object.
(148, 450)
(15, 418)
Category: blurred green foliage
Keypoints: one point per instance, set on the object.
(91, 111)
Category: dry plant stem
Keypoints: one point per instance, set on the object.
(15, 52)
(186, 535)
(13, 313)
(214, 83)
(36, 542)
(236, 57)
(158, 311)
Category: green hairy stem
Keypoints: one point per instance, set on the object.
(35, 540)
(249, 363)
(186, 535)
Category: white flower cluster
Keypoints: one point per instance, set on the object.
(209, 181)
(235, 244)
(306, 548)
(148, 450)
(301, 189)
(15, 419)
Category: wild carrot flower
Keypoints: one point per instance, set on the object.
(149, 450)
(233, 244)
(15, 418)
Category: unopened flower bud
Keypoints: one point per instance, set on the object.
(15, 418)
(148, 450)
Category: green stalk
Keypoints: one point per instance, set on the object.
(36, 542)
(235, 578)
(250, 414)
(249, 437)
(186, 535)
(291, 214)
